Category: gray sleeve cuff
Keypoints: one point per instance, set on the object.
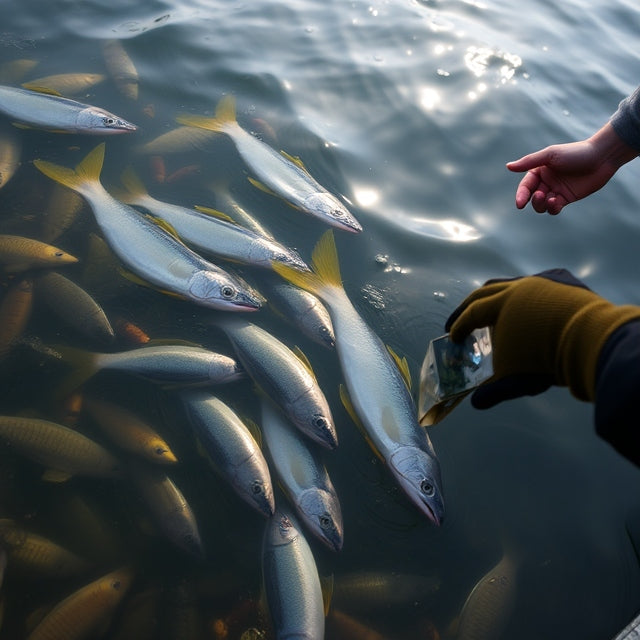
(626, 120)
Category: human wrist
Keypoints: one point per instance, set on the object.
(582, 340)
(610, 147)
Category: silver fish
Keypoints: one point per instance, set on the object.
(281, 375)
(303, 476)
(211, 233)
(291, 582)
(277, 173)
(149, 251)
(301, 308)
(163, 364)
(231, 447)
(378, 396)
(55, 113)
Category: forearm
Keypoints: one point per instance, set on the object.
(626, 122)
(618, 391)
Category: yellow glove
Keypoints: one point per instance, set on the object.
(547, 329)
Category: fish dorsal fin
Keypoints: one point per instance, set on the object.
(263, 187)
(403, 366)
(132, 182)
(136, 279)
(164, 225)
(305, 361)
(254, 430)
(171, 342)
(214, 213)
(41, 89)
(295, 160)
(348, 405)
(326, 585)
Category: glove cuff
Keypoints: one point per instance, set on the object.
(582, 340)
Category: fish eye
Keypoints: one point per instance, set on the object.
(319, 422)
(227, 291)
(256, 487)
(58, 254)
(427, 488)
(108, 121)
(325, 522)
(160, 450)
(115, 584)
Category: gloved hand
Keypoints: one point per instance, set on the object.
(547, 329)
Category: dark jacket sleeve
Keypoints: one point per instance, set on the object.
(617, 402)
(626, 120)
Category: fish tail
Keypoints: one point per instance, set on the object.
(133, 186)
(225, 116)
(84, 365)
(87, 172)
(325, 269)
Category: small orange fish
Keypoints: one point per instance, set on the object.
(158, 168)
(131, 332)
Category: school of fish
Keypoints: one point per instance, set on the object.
(91, 451)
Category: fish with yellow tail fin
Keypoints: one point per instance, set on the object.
(276, 172)
(83, 613)
(147, 249)
(377, 389)
(205, 230)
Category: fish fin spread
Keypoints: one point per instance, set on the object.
(305, 361)
(295, 160)
(84, 364)
(324, 264)
(254, 430)
(132, 277)
(164, 225)
(263, 187)
(326, 585)
(41, 89)
(348, 405)
(87, 171)
(55, 475)
(403, 365)
(132, 183)
(225, 116)
(214, 213)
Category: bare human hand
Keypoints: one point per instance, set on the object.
(563, 173)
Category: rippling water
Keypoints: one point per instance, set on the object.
(409, 110)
